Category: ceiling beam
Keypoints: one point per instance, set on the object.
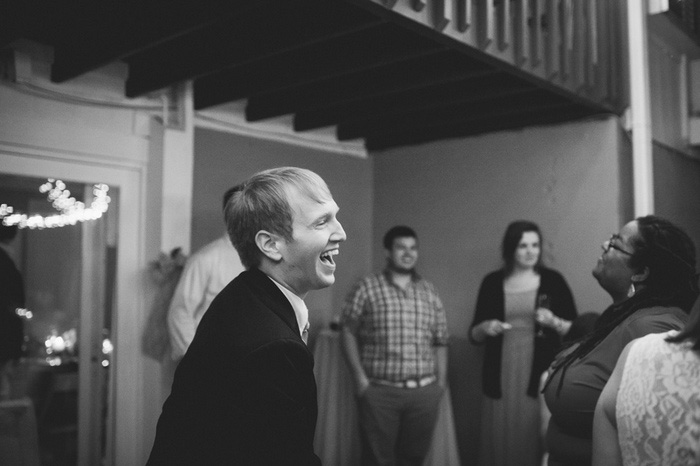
(461, 129)
(463, 91)
(98, 33)
(440, 68)
(380, 45)
(501, 107)
(262, 32)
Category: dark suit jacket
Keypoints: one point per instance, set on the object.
(245, 393)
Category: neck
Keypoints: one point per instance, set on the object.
(275, 274)
(522, 271)
(400, 277)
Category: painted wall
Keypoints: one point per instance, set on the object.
(677, 191)
(56, 134)
(223, 160)
(459, 195)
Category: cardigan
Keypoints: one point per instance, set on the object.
(490, 304)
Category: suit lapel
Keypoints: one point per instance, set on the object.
(273, 298)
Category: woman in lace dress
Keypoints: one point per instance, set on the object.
(649, 411)
(648, 269)
(522, 312)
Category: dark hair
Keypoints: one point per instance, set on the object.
(669, 254)
(399, 231)
(511, 239)
(7, 232)
(691, 331)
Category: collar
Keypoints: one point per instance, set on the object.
(414, 275)
(298, 304)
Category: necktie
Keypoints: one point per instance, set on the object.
(305, 333)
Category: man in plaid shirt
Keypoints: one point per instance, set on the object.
(394, 339)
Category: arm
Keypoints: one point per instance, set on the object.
(279, 411)
(606, 448)
(351, 352)
(484, 325)
(440, 338)
(441, 360)
(182, 314)
(350, 318)
(563, 309)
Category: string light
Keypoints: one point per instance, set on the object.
(71, 211)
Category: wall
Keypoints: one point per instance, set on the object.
(459, 195)
(85, 131)
(677, 190)
(223, 160)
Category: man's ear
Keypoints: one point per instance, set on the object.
(269, 243)
(641, 276)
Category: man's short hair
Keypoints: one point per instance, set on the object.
(399, 231)
(229, 194)
(262, 203)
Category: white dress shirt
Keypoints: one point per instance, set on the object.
(206, 273)
(300, 309)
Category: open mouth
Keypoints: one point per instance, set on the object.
(327, 257)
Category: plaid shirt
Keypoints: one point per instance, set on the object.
(396, 329)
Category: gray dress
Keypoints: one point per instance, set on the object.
(511, 428)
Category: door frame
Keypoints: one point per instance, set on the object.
(126, 431)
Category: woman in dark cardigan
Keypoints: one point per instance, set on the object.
(522, 312)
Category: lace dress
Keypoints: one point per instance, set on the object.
(658, 404)
(510, 432)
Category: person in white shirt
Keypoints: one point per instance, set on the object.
(206, 273)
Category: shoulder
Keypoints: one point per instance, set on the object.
(493, 278)
(552, 276)
(370, 280)
(655, 320)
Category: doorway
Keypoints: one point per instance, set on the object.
(69, 279)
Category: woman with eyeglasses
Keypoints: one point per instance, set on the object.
(648, 269)
(522, 312)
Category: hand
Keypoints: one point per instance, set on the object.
(495, 327)
(545, 317)
(361, 386)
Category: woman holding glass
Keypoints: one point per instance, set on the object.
(522, 312)
(648, 269)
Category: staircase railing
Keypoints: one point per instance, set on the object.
(576, 45)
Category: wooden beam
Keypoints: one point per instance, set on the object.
(102, 32)
(487, 23)
(553, 39)
(464, 15)
(505, 25)
(461, 129)
(442, 68)
(522, 38)
(443, 14)
(467, 91)
(499, 107)
(337, 57)
(293, 26)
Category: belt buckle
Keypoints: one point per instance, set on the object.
(411, 383)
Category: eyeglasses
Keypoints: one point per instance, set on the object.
(609, 244)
